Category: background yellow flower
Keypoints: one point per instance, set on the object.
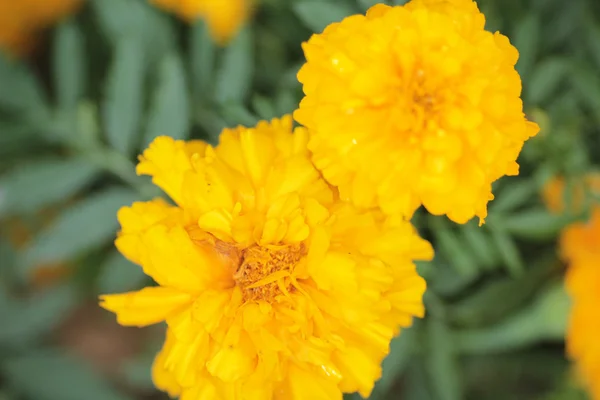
(224, 17)
(414, 105)
(20, 20)
(271, 287)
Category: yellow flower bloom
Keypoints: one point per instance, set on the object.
(269, 284)
(580, 246)
(224, 17)
(20, 20)
(414, 105)
(553, 192)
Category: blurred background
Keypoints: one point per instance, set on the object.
(85, 85)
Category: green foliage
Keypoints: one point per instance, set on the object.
(120, 73)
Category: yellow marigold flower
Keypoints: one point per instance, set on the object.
(224, 17)
(20, 20)
(554, 194)
(271, 287)
(580, 246)
(412, 105)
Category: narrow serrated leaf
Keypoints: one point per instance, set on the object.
(34, 185)
(508, 250)
(120, 275)
(317, 14)
(202, 60)
(52, 375)
(527, 41)
(545, 79)
(170, 111)
(88, 224)
(69, 65)
(234, 78)
(123, 100)
(37, 316)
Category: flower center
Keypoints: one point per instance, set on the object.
(265, 271)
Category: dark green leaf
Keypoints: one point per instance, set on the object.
(508, 251)
(120, 275)
(534, 224)
(587, 83)
(545, 319)
(236, 114)
(453, 249)
(234, 78)
(124, 95)
(52, 376)
(479, 244)
(170, 110)
(36, 317)
(443, 365)
(263, 107)
(527, 40)
(401, 349)
(86, 225)
(21, 91)
(514, 194)
(69, 65)
(317, 14)
(32, 186)
(202, 53)
(546, 78)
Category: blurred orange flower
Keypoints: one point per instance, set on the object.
(20, 20)
(554, 194)
(580, 247)
(224, 17)
(412, 105)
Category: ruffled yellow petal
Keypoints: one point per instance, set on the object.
(148, 306)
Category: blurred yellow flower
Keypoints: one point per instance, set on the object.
(271, 287)
(224, 17)
(414, 105)
(554, 194)
(580, 246)
(20, 20)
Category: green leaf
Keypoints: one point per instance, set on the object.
(21, 91)
(534, 224)
(51, 375)
(136, 19)
(453, 249)
(170, 111)
(236, 114)
(546, 319)
(508, 251)
(442, 363)
(69, 65)
(527, 41)
(120, 275)
(263, 107)
(85, 226)
(123, 100)
(546, 79)
(401, 349)
(514, 194)
(587, 84)
(234, 77)
(479, 245)
(37, 317)
(202, 60)
(317, 14)
(593, 40)
(34, 185)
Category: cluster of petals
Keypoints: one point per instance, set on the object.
(20, 20)
(271, 286)
(414, 105)
(224, 17)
